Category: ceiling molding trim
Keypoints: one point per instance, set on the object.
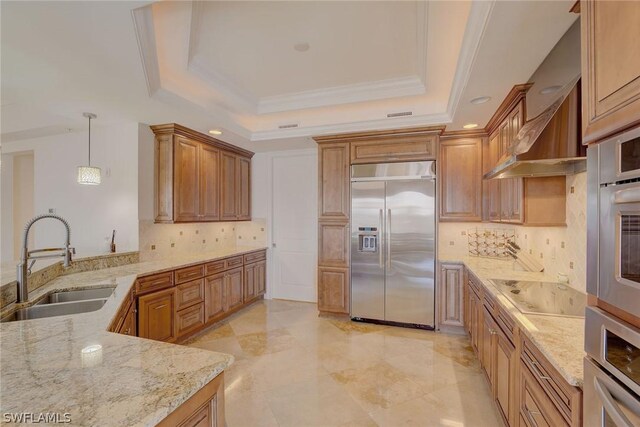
(422, 34)
(146, 38)
(381, 134)
(473, 35)
(359, 92)
(233, 95)
(194, 29)
(362, 126)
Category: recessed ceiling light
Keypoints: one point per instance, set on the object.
(301, 47)
(550, 89)
(480, 100)
(215, 132)
(470, 126)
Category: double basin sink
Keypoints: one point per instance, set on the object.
(62, 303)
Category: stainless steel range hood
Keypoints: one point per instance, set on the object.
(548, 145)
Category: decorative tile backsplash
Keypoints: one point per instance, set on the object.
(163, 240)
(559, 249)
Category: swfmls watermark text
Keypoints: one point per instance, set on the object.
(36, 417)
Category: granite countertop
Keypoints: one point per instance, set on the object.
(560, 339)
(71, 364)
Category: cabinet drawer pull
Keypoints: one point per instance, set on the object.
(538, 373)
(160, 306)
(529, 415)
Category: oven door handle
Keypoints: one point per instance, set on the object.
(627, 195)
(610, 406)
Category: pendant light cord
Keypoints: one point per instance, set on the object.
(89, 140)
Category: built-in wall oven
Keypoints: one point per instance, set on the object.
(612, 365)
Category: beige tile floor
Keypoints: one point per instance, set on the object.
(294, 368)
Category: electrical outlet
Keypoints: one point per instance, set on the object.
(451, 243)
(562, 245)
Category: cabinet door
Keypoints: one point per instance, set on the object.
(516, 185)
(333, 289)
(394, 149)
(334, 184)
(228, 187)
(249, 282)
(209, 164)
(487, 346)
(213, 297)
(494, 184)
(610, 67)
(505, 373)
(156, 315)
(261, 278)
(461, 179)
(244, 188)
(333, 244)
(476, 330)
(129, 326)
(467, 307)
(233, 288)
(450, 302)
(186, 176)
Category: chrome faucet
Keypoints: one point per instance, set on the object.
(24, 268)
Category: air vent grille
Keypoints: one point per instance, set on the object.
(288, 126)
(402, 114)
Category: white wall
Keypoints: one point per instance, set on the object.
(92, 211)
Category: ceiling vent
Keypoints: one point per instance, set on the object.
(404, 113)
(289, 126)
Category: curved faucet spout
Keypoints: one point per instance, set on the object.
(23, 268)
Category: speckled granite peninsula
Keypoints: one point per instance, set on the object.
(72, 364)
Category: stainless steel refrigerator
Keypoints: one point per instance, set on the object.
(393, 243)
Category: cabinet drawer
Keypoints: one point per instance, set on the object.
(189, 319)
(215, 267)
(233, 262)
(536, 409)
(189, 273)
(256, 256)
(506, 323)
(154, 282)
(202, 417)
(490, 302)
(189, 293)
(558, 390)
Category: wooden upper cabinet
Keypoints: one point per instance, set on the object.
(186, 187)
(334, 181)
(244, 188)
(199, 178)
(209, 165)
(493, 185)
(461, 179)
(228, 188)
(394, 149)
(610, 67)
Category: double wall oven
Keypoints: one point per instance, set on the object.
(612, 365)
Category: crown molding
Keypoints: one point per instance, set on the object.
(464, 133)
(380, 134)
(176, 129)
(473, 35)
(146, 38)
(362, 126)
(517, 93)
(358, 92)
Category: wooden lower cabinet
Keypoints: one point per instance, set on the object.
(233, 287)
(333, 290)
(178, 311)
(203, 409)
(527, 390)
(213, 297)
(156, 313)
(450, 296)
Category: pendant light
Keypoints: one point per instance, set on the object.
(89, 175)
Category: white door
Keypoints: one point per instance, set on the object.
(295, 189)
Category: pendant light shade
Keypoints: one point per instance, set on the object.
(89, 175)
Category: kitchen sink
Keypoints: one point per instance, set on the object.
(81, 295)
(39, 311)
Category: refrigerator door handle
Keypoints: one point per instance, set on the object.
(379, 243)
(388, 240)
